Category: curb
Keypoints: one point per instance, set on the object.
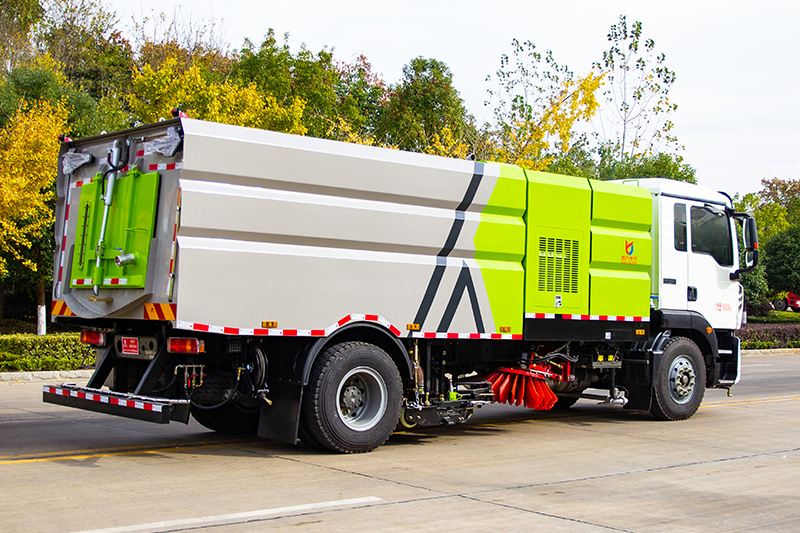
(772, 351)
(42, 375)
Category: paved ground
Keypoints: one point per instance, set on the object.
(735, 466)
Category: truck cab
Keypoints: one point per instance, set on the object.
(696, 265)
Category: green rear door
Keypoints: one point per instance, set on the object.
(131, 221)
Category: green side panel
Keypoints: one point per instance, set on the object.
(500, 247)
(621, 250)
(129, 230)
(557, 245)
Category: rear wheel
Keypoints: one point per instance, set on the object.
(780, 305)
(354, 398)
(680, 381)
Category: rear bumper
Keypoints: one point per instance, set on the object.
(158, 410)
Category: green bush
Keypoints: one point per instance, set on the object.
(774, 317)
(60, 351)
(766, 336)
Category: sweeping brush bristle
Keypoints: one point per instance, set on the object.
(521, 387)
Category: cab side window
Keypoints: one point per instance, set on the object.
(680, 227)
(711, 234)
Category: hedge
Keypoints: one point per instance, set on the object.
(59, 351)
(768, 336)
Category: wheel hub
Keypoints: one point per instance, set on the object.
(352, 397)
(362, 398)
(682, 379)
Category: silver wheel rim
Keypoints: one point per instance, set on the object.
(682, 379)
(362, 398)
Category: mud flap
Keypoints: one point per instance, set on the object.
(280, 420)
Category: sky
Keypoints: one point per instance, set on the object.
(737, 62)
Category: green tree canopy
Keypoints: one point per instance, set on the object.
(421, 106)
(82, 37)
(782, 260)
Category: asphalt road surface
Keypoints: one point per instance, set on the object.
(734, 466)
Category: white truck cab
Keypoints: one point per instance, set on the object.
(696, 264)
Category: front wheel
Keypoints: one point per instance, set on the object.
(680, 381)
(354, 398)
(780, 305)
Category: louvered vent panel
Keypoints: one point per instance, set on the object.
(558, 265)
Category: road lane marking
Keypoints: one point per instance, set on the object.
(114, 452)
(248, 515)
(772, 399)
(115, 449)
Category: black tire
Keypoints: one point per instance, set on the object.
(232, 418)
(680, 381)
(353, 399)
(305, 436)
(780, 305)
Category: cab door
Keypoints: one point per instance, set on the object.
(712, 258)
(673, 263)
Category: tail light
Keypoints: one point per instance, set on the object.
(185, 345)
(95, 338)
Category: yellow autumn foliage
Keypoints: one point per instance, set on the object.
(156, 92)
(446, 144)
(341, 130)
(528, 141)
(28, 153)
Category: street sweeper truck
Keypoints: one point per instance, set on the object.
(301, 288)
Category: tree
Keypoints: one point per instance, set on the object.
(657, 165)
(782, 260)
(776, 207)
(156, 92)
(635, 119)
(784, 193)
(82, 37)
(278, 74)
(360, 95)
(421, 106)
(41, 79)
(28, 151)
(16, 20)
(538, 103)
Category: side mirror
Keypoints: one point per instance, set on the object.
(750, 234)
(750, 259)
(750, 237)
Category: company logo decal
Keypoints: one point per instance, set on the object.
(628, 258)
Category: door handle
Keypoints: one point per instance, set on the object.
(692, 294)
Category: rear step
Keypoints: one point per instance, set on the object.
(158, 410)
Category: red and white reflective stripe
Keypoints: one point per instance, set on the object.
(102, 398)
(601, 318)
(64, 240)
(80, 183)
(165, 166)
(171, 282)
(115, 281)
(474, 336)
(82, 282)
(289, 332)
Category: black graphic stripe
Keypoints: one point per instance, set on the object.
(464, 282)
(449, 245)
